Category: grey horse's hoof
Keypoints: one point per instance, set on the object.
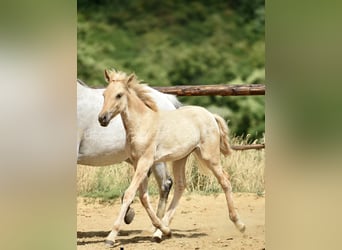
(129, 215)
(157, 239)
(109, 243)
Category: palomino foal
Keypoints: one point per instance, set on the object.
(155, 136)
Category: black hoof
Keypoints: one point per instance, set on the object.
(168, 235)
(157, 239)
(129, 215)
(109, 243)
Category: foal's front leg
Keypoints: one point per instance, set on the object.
(140, 174)
(141, 170)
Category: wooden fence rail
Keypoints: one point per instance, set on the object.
(249, 146)
(218, 89)
(222, 90)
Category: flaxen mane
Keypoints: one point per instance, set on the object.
(141, 91)
(116, 75)
(134, 84)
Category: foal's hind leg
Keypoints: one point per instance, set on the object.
(178, 168)
(164, 183)
(214, 164)
(223, 179)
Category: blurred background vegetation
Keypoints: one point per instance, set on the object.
(180, 43)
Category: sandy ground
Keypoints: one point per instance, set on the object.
(200, 222)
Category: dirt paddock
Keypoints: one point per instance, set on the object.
(200, 222)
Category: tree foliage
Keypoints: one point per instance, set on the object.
(176, 43)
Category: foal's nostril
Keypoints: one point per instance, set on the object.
(103, 120)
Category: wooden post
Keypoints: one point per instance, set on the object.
(217, 89)
(247, 147)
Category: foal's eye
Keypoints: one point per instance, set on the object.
(118, 96)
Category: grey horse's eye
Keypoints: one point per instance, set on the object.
(118, 96)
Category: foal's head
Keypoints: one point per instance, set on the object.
(115, 95)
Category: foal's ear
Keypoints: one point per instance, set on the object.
(130, 78)
(106, 75)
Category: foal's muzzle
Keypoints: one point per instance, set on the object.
(104, 119)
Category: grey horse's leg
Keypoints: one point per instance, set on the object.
(164, 183)
(180, 184)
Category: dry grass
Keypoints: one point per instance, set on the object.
(246, 170)
(104, 182)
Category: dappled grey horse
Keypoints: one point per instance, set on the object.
(100, 146)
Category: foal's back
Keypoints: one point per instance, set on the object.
(183, 130)
(188, 117)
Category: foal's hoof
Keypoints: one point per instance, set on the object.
(158, 236)
(109, 243)
(129, 215)
(241, 227)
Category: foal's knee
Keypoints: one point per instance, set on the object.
(225, 183)
(125, 198)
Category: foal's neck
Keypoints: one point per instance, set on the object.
(135, 114)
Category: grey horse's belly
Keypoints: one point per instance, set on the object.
(102, 159)
(101, 152)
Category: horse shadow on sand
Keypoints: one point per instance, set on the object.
(92, 237)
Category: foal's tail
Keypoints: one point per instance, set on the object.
(223, 128)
